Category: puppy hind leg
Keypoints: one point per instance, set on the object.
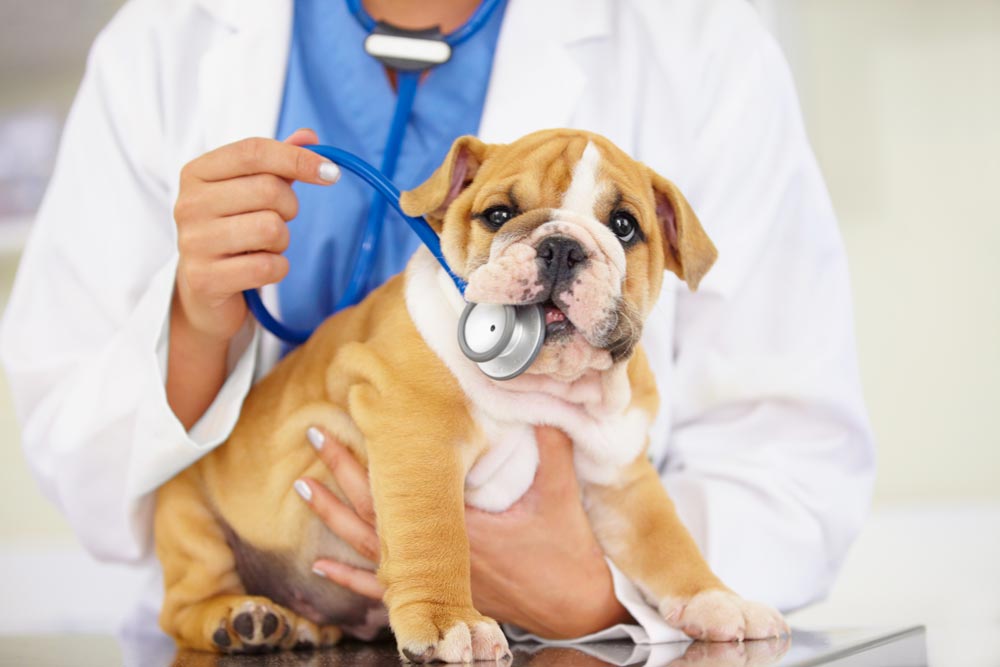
(205, 605)
(250, 624)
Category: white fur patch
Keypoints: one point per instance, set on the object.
(505, 471)
(607, 435)
(584, 190)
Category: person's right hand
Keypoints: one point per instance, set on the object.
(231, 214)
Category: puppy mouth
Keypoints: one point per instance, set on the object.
(557, 325)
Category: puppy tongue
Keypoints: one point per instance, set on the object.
(553, 314)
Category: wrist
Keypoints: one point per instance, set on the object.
(196, 367)
(596, 609)
(196, 336)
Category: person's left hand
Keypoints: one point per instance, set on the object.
(531, 564)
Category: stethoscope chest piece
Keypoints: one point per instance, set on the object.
(502, 340)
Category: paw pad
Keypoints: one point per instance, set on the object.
(252, 627)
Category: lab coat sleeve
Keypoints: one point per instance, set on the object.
(764, 442)
(84, 337)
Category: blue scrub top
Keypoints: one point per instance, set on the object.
(344, 94)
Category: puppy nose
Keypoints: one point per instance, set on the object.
(560, 255)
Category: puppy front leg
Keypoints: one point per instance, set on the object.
(418, 485)
(638, 527)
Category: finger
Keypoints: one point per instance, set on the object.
(225, 277)
(360, 581)
(340, 518)
(263, 156)
(257, 192)
(234, 235)
(351, 476)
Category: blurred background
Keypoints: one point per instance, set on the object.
(902, 101)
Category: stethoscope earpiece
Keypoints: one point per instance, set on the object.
(502, 340)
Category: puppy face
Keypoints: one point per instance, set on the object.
(566, 219)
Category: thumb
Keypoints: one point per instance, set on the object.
(303, 136)
(555, 458)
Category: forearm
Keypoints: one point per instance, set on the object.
(589, 615)
(196, 368)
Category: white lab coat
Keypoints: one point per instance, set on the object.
(763, 439)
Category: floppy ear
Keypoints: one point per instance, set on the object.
(432, 198)
(688, 251)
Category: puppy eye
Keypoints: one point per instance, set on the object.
(496, 216)
(623, 225)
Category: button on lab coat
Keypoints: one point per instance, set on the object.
(762, 440)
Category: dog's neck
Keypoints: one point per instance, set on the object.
(435, 306)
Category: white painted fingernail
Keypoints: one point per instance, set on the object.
(303, 490)
(319, 573)
(329, 172)
(315, 437)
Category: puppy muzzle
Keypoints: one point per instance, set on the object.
(572, 264)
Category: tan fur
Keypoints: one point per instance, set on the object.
(368, 378)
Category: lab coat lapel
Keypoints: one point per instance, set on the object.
(536, 83)
(242, 78)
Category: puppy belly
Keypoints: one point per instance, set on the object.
(506, 470)
(287, 579)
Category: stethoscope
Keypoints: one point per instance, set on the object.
(502, 340)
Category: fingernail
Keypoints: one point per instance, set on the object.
(303, 490)
(329, 172)
(315, 437)
(319, 573)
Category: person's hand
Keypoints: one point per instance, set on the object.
(530, 564)
(231, 214)
(538, 565)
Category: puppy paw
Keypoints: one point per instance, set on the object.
(428, 633)
(721, 616)
(254, 625)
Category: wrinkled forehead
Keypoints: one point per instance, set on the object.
(584, 173)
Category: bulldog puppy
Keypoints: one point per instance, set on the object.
(560, 217)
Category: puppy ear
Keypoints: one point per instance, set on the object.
(688, 251)
(433, 197)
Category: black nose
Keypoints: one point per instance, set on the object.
(559, 256)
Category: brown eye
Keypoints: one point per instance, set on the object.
(496, 216)
(623, 225)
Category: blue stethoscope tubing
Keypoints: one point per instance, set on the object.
(385, 191)
(406, 83)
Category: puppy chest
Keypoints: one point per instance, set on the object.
(505, 471)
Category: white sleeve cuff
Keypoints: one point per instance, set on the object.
(163, 447)
(219, 420)
(649, 628)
